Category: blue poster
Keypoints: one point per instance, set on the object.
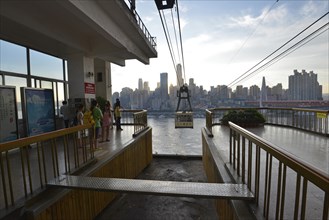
(39, 110)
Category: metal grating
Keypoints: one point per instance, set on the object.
(156, 187)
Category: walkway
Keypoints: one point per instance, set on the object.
(137, 206)
(310, 147)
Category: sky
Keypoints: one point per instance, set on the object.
(222, 40)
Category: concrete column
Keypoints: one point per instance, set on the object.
(81, 78)
(103, 79)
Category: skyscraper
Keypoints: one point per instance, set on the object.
(180, 80)
(140, 84)
(146, 86)
(164, 86)
(304, 86)
(263, 93)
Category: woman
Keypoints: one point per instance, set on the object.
(106, 122)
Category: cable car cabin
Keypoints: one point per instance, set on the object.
(184, 120)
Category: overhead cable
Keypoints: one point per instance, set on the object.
(181, 41)
(245, 73)
(252, 33)
(170, 49)
(286, 52)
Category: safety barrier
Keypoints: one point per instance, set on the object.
(312, 120)
(261, 165)
(126, 161)
(140, 122)
(27, 164)
(141, 24)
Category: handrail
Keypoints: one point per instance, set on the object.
(141, 25)
(312, 120)
(314, 174)
(140, 122)
(51, 154)
(246, 150)
(22, 142)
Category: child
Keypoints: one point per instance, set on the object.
(80, 122)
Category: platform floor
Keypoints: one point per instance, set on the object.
(310, 147)
(151, 207)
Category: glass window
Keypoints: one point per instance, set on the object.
(66, 72)
(46, 85)
(1, 79)
(55, 98)
(12, 58)
(37, 84)
(60, 87)
(45, 65)
(18, 82)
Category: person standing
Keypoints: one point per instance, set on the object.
(117, 114)
(107, 122)
(97, 116)
(65, 111)
(79, 117)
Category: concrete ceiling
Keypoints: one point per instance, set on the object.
(102, 29)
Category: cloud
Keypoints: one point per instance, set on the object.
(310, 8)
(266, 16)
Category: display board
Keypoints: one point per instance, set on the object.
(38, 110)
(8, 114)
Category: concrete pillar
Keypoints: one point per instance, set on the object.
(103, 79)
(81, 78)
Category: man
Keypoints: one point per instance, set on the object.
(65, 111)
(117, 114)
(97, 116)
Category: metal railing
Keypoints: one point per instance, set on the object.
(141, 25)
(59, 152)
(313, 120)
(140, 122)
(261, 165)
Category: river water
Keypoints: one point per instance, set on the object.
(170, 141)
(311, 148)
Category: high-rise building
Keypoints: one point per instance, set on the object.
(180, 80)
(164, 86)
(140, 84)
(254, 92)
(263, 93)
(304, 86)
(223, 92)
(146, 86)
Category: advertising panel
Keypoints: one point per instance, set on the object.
(38, 111)
(8, 114)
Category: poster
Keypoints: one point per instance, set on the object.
(8, 114)
(38, 110)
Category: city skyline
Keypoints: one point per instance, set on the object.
(191, 80)
(222, 40)
(304, 91)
